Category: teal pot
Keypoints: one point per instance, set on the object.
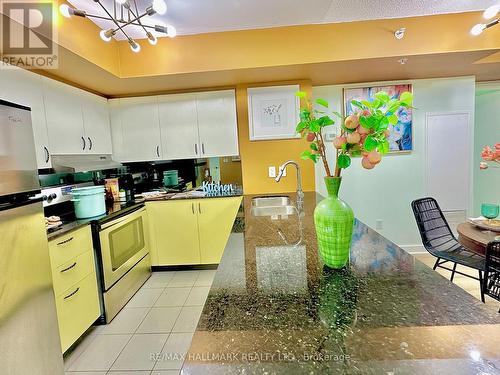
(334, 220)
(170, 178)
(89, 201)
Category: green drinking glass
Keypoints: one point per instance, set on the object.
(490, 211)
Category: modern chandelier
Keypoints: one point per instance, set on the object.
(488, 14)
(123, 14)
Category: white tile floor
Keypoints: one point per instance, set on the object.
(151, 334)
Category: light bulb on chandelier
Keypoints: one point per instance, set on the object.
(491, 12)
(134, 46)
(477, 29)
(171, 31)
(151, 39)
(106, 35)
(65, 10)
(160, 7)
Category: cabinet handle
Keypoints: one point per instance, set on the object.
(90, 143)
(72, 293)
(47, 155)
(84, 144)
(65, 241)
(158, 151)
(196, 149)
(192, 207)
(203, 148)
(70, 267)
(199, 208)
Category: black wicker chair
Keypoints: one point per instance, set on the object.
(438, 240)
(491, 284)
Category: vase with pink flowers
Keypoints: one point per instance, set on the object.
(363, 134)
(491, 157)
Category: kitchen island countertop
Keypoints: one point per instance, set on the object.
(274, 308)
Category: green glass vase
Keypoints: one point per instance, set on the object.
(334, 220)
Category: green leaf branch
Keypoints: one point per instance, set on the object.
(363, 133)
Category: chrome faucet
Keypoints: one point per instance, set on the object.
(300, 193)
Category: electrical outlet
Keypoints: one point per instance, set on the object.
(379, 224)
(284, 171)
(272, 172)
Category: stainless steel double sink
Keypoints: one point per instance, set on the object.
(273, 206)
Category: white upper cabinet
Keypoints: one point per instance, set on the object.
(77, 121)
(96, 123)
(179, 126)
(64, 118)
(217, 123)
(25, 88)
(140, 130)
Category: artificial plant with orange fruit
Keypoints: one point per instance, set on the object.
(363, 133)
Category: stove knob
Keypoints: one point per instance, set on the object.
(44, 197)
(51, 197)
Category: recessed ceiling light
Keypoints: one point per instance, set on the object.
(400, 33)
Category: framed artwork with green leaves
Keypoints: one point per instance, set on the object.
(400, 136)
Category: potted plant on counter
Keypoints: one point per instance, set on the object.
(362, 134)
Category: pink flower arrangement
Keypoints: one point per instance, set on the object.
(491, 155)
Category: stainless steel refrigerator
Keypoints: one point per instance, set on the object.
(29, 335)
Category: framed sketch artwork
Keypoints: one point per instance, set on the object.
(273, 112)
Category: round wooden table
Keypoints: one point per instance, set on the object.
(475, 238)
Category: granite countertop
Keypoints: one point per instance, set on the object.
(195, 194)
(274, 308)
(119, 208)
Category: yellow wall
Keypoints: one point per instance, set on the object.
(230, 171)
(305, 44)
(257, 156)
(275, 47)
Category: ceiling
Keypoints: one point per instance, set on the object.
(77, 70)
(204, 16)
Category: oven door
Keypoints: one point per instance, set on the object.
(124, 242)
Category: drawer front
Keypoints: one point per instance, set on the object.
(69, 246)
(77, 309)
(71, 272)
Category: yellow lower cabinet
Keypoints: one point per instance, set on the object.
(215, 221)
(69, 273)
(77, 308)
(70, 245)
(174, 232)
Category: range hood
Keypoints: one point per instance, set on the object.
(83, 163)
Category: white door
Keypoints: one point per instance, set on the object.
(217, 123)
(449, 145)
(140, 129)
(179, 126)
(96, 123)
(25, 88)
(64, 118)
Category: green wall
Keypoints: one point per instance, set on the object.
(385, 193)
(487, 132)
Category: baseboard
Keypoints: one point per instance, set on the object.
(414, 249)
(185, 268)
